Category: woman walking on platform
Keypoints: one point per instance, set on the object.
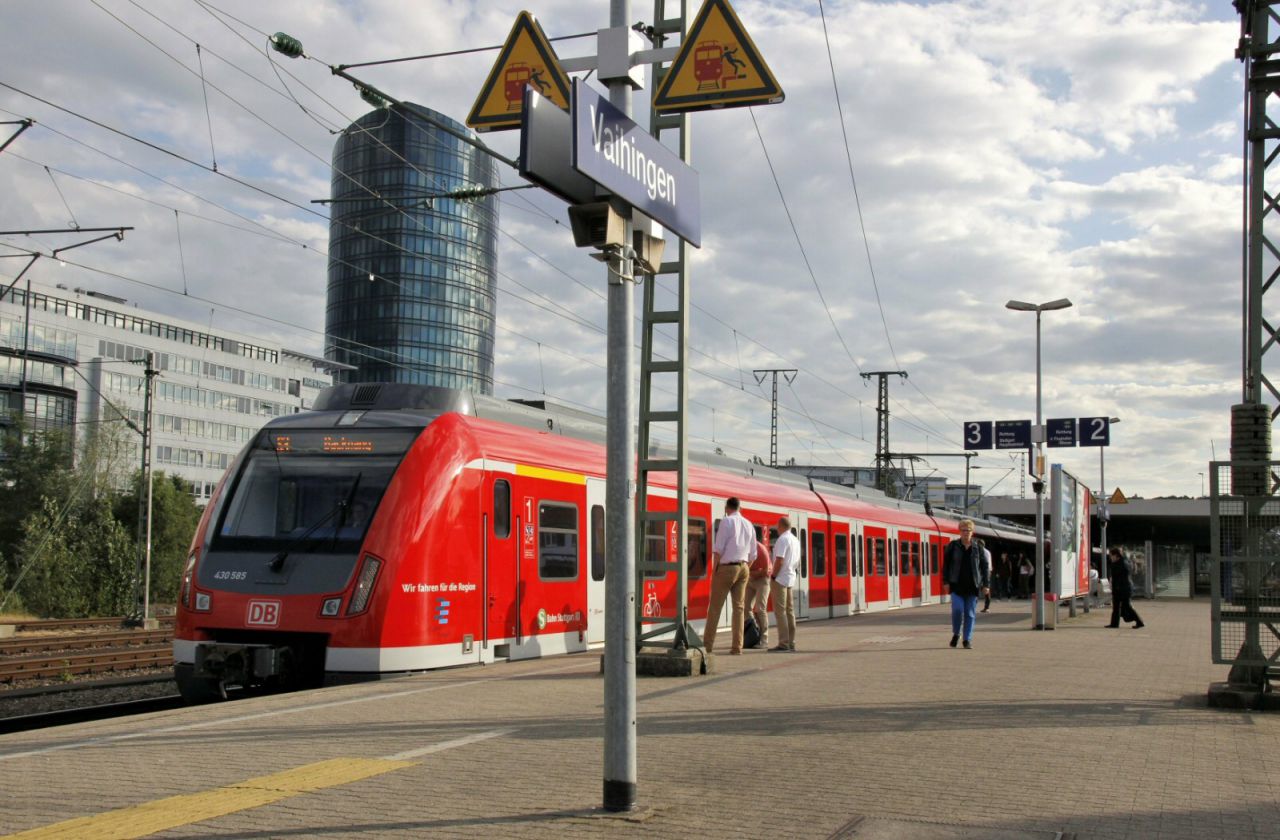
(1120, 570)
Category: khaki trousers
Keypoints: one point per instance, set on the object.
(785, 614)
(729, 579)
(758, 604)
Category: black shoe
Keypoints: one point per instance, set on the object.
(1112, 626)
(1139, 624)
(968, 645)
(984, 609)
(954, 640)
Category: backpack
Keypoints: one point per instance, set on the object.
(750, 633)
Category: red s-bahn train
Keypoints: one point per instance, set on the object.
(397, 528)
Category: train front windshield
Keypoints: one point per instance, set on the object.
(310, 490)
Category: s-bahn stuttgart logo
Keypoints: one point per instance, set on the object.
(263, 614)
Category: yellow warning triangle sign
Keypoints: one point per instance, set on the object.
(526, 59)
(717, 67)
(1117, 498)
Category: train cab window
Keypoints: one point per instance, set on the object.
(696, 546)
(501, 509)
(819, 554)
(597, 542)
(655, 549)
(842, 555)
(557, 541)
(804, 557)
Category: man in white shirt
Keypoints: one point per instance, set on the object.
(732, 552)
(786, 562)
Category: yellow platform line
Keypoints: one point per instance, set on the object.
(162, 814)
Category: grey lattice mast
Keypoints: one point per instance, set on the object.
(790, 375)
(1251, 477)
(882, 424)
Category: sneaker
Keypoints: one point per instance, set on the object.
(968, 645)
(756, 646)
(955, 640)
(984, 609)
(779, 649)
(791, 646)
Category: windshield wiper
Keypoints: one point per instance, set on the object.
(342, 507)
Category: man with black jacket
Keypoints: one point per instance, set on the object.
(966, 574)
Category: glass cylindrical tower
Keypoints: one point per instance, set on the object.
(412, 258)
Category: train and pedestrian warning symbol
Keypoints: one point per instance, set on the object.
(717, 67)
(1118, 498)
(526, 60)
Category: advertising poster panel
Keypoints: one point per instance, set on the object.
(1069, 529)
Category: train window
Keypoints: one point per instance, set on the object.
(842, 555)
(876, 547)
(597, 542)
(804, 557)
(819, 554)
(697, 548)
(858, 568)
(655, 549)
(893, 558)
(773, 537)
(933, 559)
(913, 552)
(759, 533)
(501, 509)
(557, 540)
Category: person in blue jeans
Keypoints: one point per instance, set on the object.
(966, 574)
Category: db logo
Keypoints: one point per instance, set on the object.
(263, 613)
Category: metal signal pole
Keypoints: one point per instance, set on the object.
(790, 375)
(882, 425)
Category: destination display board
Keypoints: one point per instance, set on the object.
(1060, 431)
(1013, 434)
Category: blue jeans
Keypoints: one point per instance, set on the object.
(966, 607)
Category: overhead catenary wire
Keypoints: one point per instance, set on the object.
(708, 354)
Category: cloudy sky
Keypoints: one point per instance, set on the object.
(1030, 150)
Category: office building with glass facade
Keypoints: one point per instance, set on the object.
(83, 351)
(412, 258)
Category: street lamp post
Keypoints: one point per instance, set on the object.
(1104, 510)
(1038, 484)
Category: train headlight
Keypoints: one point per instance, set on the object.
(185, 595)
(330, 606)
(203, 601)
(364, 585)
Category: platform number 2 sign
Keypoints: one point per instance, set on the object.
(1095, 431)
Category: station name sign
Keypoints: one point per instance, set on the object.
(616, 153)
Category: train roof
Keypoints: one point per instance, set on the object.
(396, 404)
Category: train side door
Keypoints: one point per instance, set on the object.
(800, 526)
(595, 561)
(876, 567)
(895, 567)
(909, 572)
(857, 562)
(841, 570)
(820, 590)
(504, 534)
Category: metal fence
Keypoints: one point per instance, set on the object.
(1244, 523)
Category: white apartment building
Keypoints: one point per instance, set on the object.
(84, 352)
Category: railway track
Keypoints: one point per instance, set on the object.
(58, 624)
(97, 662)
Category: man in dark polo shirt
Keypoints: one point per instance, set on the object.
(966, 574)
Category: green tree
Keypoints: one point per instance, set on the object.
(33, 467)
(78, 560)
(174, 518)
